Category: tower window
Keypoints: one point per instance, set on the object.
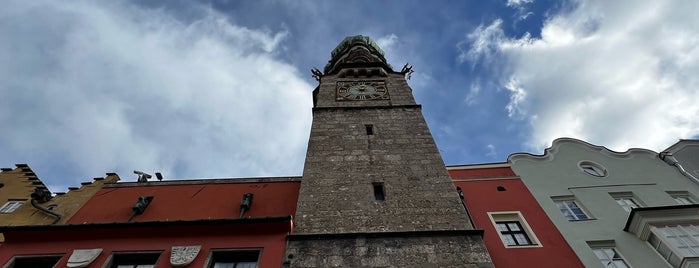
(369, 129)
(378, 191)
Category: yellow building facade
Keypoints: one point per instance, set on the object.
(17, 185)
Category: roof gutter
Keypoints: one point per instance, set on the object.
(671, 160)
(74, 226)
(43, 195)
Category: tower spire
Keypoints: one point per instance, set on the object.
(356, 50)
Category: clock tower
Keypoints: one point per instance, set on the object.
(375, 191)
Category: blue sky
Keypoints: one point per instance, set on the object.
(204, 89)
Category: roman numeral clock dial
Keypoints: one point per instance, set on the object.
(362, 90)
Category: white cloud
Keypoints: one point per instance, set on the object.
(521, 6)
(518, 96)
(490, 150)
(387, 42)
(619, 74)
(473, 92)
(518, 3)
(482, 44)
(111, 87)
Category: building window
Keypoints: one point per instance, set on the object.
(11, 206)
(675, 242)
(610, 257)
(571, 210)
(513, 229)
(592, 168)
(513, 234)
(46, 261)
(234, 259)
(625, 200)
(682, 197)
(134, 260)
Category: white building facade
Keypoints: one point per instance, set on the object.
(615, 209)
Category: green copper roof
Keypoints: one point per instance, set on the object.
(355, 39)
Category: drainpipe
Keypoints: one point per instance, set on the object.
(41, 195)
(463, 202)
(671, 160)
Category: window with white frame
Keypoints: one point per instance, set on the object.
(513, 234)
(675, 242)
(626, 200)
(570, 209)
(513, 229)
(592, 168)
(681, 197)
(609, 257)
(11, 206)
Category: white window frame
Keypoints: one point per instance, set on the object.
(593, 169)
(682, 197)
(643, 222)
(675, 242)
(11, 206)
(514, 216)
(610, 260)
(626, 200)
(563, 204)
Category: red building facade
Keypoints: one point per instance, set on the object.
(517, 232)
(187, 223)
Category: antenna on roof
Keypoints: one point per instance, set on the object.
(142, 176)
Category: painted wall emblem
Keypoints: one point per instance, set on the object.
(83, 257)
(183, 255)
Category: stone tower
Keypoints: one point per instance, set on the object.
(375, 191)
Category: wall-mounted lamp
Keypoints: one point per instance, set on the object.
(245, 204)
(140, 206)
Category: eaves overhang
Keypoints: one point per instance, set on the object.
(82, 226)
(642, 219)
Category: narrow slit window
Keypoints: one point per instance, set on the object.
(378, 191)
(369, 129)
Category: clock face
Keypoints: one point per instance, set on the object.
(362, 90)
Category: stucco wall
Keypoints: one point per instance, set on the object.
(641, 172)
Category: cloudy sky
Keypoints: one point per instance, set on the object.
(203, 89)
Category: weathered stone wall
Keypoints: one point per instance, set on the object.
(408, 251)
(340, 222)
(343, 162)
